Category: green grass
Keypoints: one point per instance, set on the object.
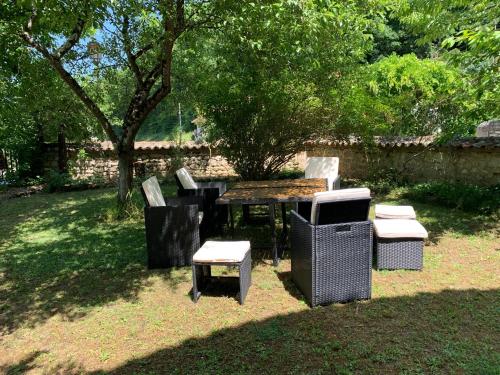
(76, 297)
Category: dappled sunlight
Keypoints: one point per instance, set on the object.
(76, 297)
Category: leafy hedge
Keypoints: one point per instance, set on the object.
(469, 198)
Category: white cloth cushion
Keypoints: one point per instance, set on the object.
(185, 178)
(323, 167)
(222, 251)
(335, 196)
(383, 211)
(152, 190)
(399, 228)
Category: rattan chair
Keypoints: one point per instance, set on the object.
(172, 227)
(215, 216)
(324, 167)
(331, 247)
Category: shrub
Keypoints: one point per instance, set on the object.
(469, 198)
(56, 181)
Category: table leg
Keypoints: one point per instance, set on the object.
(284, 233)
(231, 219)
(272, 223)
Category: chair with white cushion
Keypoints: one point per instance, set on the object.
(331, 247)
(222, 253)
(215, 215)
(172, 227)
(399, 244)
(324, 167)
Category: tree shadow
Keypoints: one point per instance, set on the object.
(65, 258)
(446, 332)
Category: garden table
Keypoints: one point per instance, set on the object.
(271, 193)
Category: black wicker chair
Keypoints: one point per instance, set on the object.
(172, 227)
(215, 216)
(331, 247)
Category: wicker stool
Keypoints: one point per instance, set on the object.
(222, 253)
(383, 211)
(399, 244)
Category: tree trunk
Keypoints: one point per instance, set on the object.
(62, 160)
(125, 174)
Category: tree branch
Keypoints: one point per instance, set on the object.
(127, 45)
(55, 62)
(72, 39)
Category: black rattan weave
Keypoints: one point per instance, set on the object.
(333, 262)
(399, 253)
(214, 216)
(172, 234)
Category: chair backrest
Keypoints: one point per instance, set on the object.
(340, 206)
(151, 193)
(185, 179)
(323, 167)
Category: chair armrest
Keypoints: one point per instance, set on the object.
(220, 185)
(184, 201)
(336, 183)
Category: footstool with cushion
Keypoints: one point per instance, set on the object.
(384, 211)
(222, 253)
(399, 244)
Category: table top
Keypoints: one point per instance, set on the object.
(275, 191)
(300, 182)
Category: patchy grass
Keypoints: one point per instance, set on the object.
(76, 297)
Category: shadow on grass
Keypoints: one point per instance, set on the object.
(453, 331)
(64, 258)
(444, 332)
(59, 255)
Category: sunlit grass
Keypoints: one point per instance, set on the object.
(76, 297)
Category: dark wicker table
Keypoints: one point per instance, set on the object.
(271, 193)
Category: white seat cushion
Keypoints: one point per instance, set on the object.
(399, 228)
(383, 211)
(323, 167)
(185, 178)
(152, 190)
(222, 251)
(336, 196)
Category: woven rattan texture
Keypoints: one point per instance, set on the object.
(399, 253)
(331, 263)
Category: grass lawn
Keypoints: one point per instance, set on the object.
(76, 297)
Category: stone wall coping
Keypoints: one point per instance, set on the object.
(384, 142)
(423, 141)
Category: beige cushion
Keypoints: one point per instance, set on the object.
(185, 178)
(323, 167)
(153, 193)
(222, 251)
(383, 211)
(335, 196)
(399, 228)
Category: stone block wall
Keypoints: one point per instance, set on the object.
(472, 162)
(418, 163)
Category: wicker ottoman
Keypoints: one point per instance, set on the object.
(399, 244)
(383, 211)
(222, 253)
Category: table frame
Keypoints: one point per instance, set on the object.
(271, 194)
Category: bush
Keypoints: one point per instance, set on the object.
(469, 198)
(56, 181)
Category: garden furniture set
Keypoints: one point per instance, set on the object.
(332, 241)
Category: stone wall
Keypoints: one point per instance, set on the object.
(473, 161)
(417, 163)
